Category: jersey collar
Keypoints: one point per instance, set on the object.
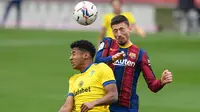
(126, 46)
(87, 68)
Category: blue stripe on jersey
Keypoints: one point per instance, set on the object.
(99, 55)
(109, 82)
(70, 94)
(140, 56)
(119, 71)
(134, 97)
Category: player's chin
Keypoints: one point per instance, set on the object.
(121, 43)
(73, 66)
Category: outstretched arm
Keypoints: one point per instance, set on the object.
(139, 31)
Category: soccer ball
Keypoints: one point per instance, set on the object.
(85, 13)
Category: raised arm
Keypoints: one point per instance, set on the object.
(139, 31)
(102, 54)
(104, 49)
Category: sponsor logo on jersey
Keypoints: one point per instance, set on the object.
(80, 84)
(132, 55)
(101, 46)
(149, 62)
(91, 73)
(124, 62)
(82, 90)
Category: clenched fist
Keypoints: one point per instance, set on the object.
(166, 77)
(118, 56)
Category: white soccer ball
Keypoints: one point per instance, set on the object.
(85, 13)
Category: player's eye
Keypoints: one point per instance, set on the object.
(122, 29)
(115, 31)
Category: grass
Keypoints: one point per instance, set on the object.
(35, 68)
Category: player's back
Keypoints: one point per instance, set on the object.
(107, 21)
(89, 86)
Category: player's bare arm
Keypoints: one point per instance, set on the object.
(69, 104)
(110, 97)
(139, 30)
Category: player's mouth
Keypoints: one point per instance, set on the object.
(72, 63)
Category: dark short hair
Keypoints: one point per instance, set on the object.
(84, 45)
(118, 19)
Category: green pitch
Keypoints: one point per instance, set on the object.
(34, 70)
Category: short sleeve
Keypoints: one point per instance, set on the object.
(70, 91)
(131, 18)
(104, 21)
(107, 75)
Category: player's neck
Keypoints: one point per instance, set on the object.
(128, 44)
(117, 12)
(85, 66)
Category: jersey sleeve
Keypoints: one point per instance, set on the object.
(70, 91)
(153, 84)
(107, 76)
(102, 54)
(104, 21)
(131, 18)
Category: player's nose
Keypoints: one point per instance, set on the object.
(70, 58)
(119, 33)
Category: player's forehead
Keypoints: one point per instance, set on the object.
(114, 2)
(120, 25)
(75, 50)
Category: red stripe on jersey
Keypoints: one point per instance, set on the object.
(128, 77)
(112, 51)
(106, 50)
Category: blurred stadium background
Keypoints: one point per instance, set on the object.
(34, 65)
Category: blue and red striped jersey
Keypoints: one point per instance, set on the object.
(127, 70)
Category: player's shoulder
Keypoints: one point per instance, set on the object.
(108, 14)
(73, 77)
(127, 13)
(142, 52)
(107, 39)
(101, 65)
(106, 42)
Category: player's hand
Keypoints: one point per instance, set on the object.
(118, 56)
(87, 106)
(141, 33)
(166, 77)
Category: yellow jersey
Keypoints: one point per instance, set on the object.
(107, 21)
(89, 86)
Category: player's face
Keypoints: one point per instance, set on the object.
(76, 58)
(122, 32)
(116, 6)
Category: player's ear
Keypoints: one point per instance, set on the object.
(130, 27)
(86, 55)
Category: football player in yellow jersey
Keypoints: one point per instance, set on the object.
(94, 88)
(106, 30)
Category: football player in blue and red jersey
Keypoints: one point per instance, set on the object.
(127, 61)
